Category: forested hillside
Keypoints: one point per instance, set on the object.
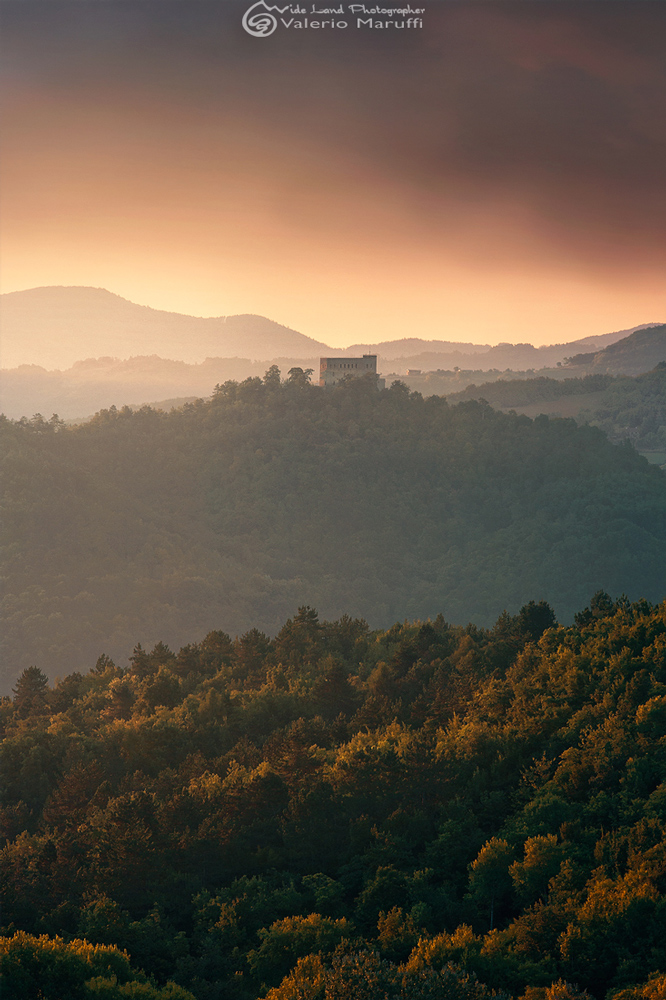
(422, 813)
(228, 513)
(511, 393)
(633, 409)
(639, 352)
(625, 407)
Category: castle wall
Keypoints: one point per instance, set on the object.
(332, 370)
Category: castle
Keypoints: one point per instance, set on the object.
(332, 370)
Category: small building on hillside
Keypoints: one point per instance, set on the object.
(332, 370)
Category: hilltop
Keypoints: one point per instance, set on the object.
(415, 353)
(57, 326)
(73, 351)
(639, 352)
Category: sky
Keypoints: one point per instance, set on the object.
(496, 175)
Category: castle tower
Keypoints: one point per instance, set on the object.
(332, 370)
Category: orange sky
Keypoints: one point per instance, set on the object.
(501, 177)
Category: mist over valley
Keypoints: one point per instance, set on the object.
(73, 351)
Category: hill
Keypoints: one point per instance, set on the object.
(425, 812)
(97, 383)
(412, 352)
(96, 319)
(229, 513)
(56, 326)
(639, 352)
(625, 407)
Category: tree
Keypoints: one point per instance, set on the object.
(249, 657)
(31, 693)
(103, 664)
(654, 989)
(397, 934)
(543, 856)
(562, 990)
(52, 968)
(534, 619)
(287, 940)
(490, 881)
(601, 606)
(299, 640)
(299, 377)
(333, 694)
(363, 975)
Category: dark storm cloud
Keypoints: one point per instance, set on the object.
(557, 107)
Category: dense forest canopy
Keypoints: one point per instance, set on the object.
(428, 813)
(230, 512)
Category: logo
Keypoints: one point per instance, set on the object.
(262, 23)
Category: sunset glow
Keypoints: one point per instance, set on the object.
(495, 178)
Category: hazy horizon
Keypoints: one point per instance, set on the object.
(490, 342)
(59, 328)
(495, 177)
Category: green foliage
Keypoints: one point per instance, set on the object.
(30, 693)
(490, 881)
(421, 812)
(523, 391)
(291, 938)
(634, 409)
(365, 976)
(110, 989)
(626, 408)
(654, 989)
(52, 969)
(531, 877)
(225, 515)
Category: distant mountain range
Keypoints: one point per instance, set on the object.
(134, 354)
(55, 327)
(415, 353)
